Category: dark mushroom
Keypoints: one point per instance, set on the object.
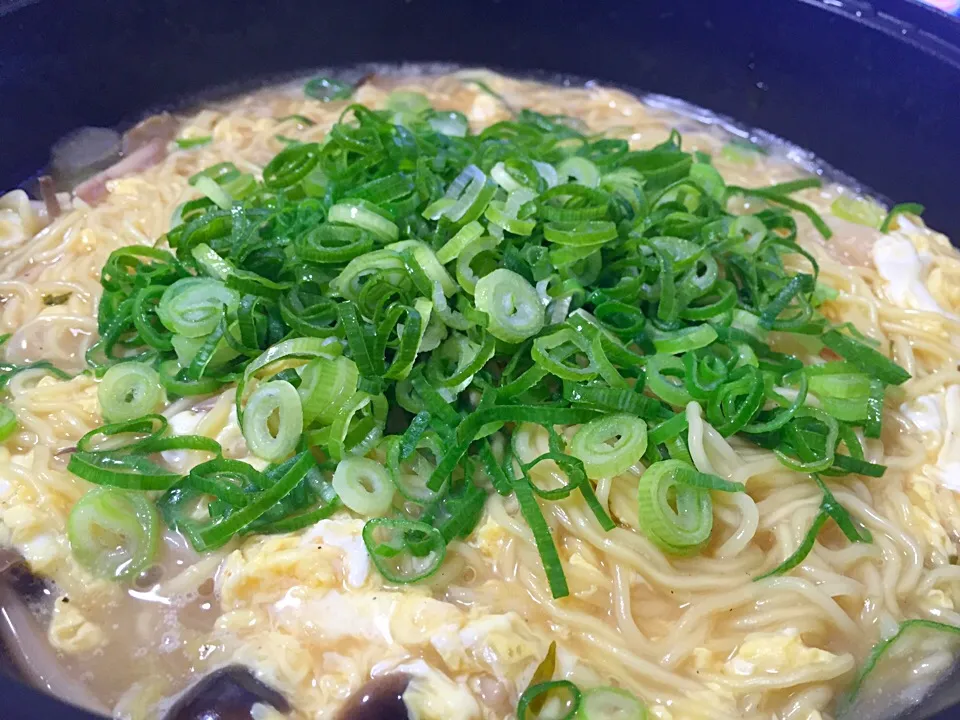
(226, 694)
(380, 699)
(17, 576)
(24, 639)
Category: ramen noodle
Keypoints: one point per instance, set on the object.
(688, 635)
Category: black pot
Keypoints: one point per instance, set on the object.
(872, 88)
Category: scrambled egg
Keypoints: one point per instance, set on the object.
(937, 417)
(18, 220)
(309, 612)
(70, 632)
(904, 261)
(490, 537)
(431, 695)
(766, 652)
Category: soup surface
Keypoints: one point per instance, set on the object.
(746, 585)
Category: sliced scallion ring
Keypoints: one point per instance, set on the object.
(364, 486)
(366, 216)
(326, 386)
(273, 420)
(511, 304)
(193, 306)
(610, 445)
(675, 516)
(113, 533)
(610, 703)
(404, 551)
(128, 391)
(563, 692)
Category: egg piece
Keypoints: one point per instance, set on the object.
(504, 645)
(265, 568)
(183, 423)
(948, 461)
(490, 537)
(936, 600)
(773, 653)
(431, 695)
(905, 269)
(925, 412)
(234, 444)
(346, 536)
(937, 417)
(19, 221)
(417, 619)
(70, 632)
(36, 534)
(336, 616)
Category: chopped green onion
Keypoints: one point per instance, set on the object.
(884, 646)
(299, 119)
(358, 427)
(404, 551)
(676, 516)
(800, 554)
(129, 390)
(580, 170)
(193, 307)
(544, 275)
(214, 192)
(452, 124)
(610, 703)
(865, 357)
(862, 211)
(567, 694)
(550, 351)
(364, 215)
(278, 398)
(113, 533)
(665, 379)
(543, 673)
(903, 208)
(411, 472)
(364, 486)
(610, 445)
(220, 532)
(478, 248)
(187, 143)
(468, 196)
(549, 556)
(511, 304)
(678, 341)
(455, 245)
(8, 422)
(431, 265)
(407, 102)
(326, 386)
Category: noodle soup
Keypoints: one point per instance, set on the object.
(511, 399)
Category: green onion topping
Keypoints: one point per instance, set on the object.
(408, 289)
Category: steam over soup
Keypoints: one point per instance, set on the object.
(458, 397)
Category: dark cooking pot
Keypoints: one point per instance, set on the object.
(872, 88)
